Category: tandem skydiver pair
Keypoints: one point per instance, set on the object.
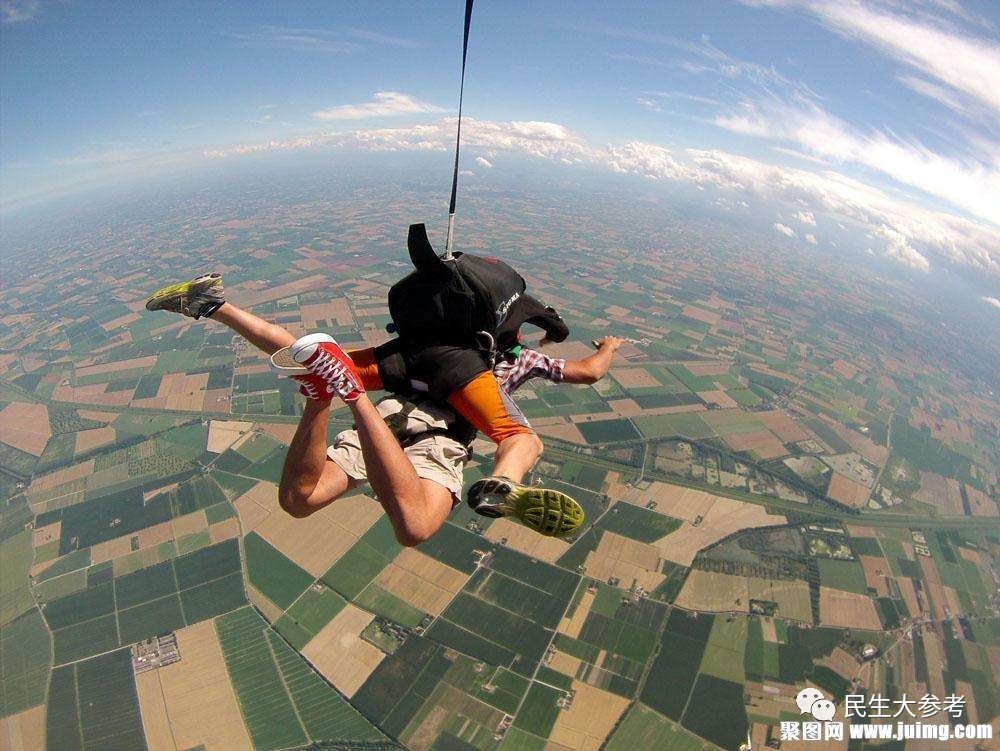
(451, 371)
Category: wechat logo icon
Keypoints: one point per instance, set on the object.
(812, 701)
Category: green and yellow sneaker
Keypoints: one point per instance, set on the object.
(196, 298)
(546, 511)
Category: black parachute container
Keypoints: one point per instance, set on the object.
(462, 301)
(453, 315)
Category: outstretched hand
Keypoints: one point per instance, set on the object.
(608, 342)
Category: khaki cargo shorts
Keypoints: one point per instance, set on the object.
(437, 458)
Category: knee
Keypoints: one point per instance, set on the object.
(411, 538)
(294, 504)
(527, 441)
(412, 532)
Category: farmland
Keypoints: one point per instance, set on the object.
(773, 480)
(149, 602)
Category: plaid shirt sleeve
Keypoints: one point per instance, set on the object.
(529, 364)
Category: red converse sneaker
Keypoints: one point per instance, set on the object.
(313, 387)
(328, 363)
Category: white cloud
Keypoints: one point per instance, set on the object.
(783, 229)
(810, 238)
(483, 162)
(383, 104)
(909, 233)
(970, 185)
(992, 301)
(898, 247)
(374, 36)
(298, 39)
(933, 91)
(806, 217)
(967, 64)
(15, 11)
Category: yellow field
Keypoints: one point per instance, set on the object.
(94, 438)
(720, 593)
(153, 707)
(572, 626)
(224, 530)
(192, 702)
(46, 534)
(559, 427)
(720, 517)
(847, 491)
(339, 653)
(847, 610)
(589, 719)
(152, 536)
(223, 433)
(111, 549)
(628, 560)
(315, 543)
(121, 365)
(60, 477)
(714, 592)
(196, 521)
(425, 583)
(526, 541)
(564, 663)
(24, 731)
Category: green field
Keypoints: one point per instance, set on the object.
(366, 558)
(277, 578)
(267, 708)
(93, 704)
(325, 714)
(109, 706)
(723, 655)
(400, 685)
(24, 662)
(376, 600)
(644, 728)
(539, 712)
(15, 560)
(608, 431)
(60, 586)
(315, 608)
(638, 523)
(685, 424)
(151, 601)
(62, 729)
(673, 672)
(848, 576)
(716, 711)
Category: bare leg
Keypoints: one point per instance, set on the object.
(516, 455)
(310, 481)
(417, 508)
(268, 337)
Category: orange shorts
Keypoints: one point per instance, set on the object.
(481, 401)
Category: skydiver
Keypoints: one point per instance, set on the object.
(415, 467)
(474, 393)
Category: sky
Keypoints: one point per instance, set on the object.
(883, 116)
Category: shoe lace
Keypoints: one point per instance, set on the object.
(334, 372)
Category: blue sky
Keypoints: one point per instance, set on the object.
(881, 115)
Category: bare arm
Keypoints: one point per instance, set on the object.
(593, 368)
